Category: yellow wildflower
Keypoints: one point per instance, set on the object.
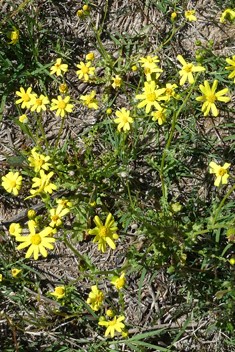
(43, 183)
(227, 15)
(59, 292)
(38, 161)
(173, 16)
(117, 81)
(124, 120)
(85, 70)
(15, 272)
(63, 88)
(36, 241)
(170, 91)
(80, 14)
(151, 96)
(39, 103)
(220, 172)
(11, 182)
(1, 278)
(104, 233)
(149, 69)
(58, 67)
(23, 118)
(187, 69)
(25, 97)
(95, 298)
(211, 97)
(113, 325)
(148, 60)
(134, 68)
(14, 36)
(231, 62)
(64, 202)
(109, 111)
(119, 282)
(190, 16)
(57, 214)
(15, 229)
(61, 105)
(90, 57)
(89, 100)
(159, 116)
(110, 313)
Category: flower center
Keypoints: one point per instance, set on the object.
(84, 69)
(150, 60)
(99, 298)
(124, 119)
(151, 96)
(113, 322)
(55, 218)
(63, 88)
(14, 36)
(103, 232)
(222, 172)
(25, 97)
(61, 104)
(57, 66)
(60, 290)
(159, 114)
(12, 184)
(36, 239)
(147, 70)
(120, 283)
(211, 98)
(39, 162)
(89, 100)
(188, 13)
(38, 102)
(188, 68)
(117, 81)
(168, 91)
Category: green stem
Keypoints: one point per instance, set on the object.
(76, 253)
(57, 141)
(222, 203)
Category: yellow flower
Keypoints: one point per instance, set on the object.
(113, 325)
(31, 214)
(23, 119)
(109, 111)
(173, 16)
(95, 298)
(110, 313)
(61, 105)
(232, 261)
(0, 277)
(119, 282)
(38, 161)
(187, 69)
(90, 57)
(85, 8)
(14, 36)
(159, 116)
(15, 272)
(64, 202)
(149, 69)
(231, 62)
(89, 100)
(59, 292)
(25, 97)
(148, 60)
(104, 233)
(211, 97)
(170, 91)
(11, 182)
(85, 70)
(80, 14)
(63, 88)
(39, 104)
(123, 120)
(43, 183)
(15, 229)
(221, 173)
(56, 215)
(134, 68)
(150, 96)
(36, 241)
(117, 81)
(58, 67)
(189, 16)
(227, 15)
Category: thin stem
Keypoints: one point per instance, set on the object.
(76, 252)
(222, 203)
